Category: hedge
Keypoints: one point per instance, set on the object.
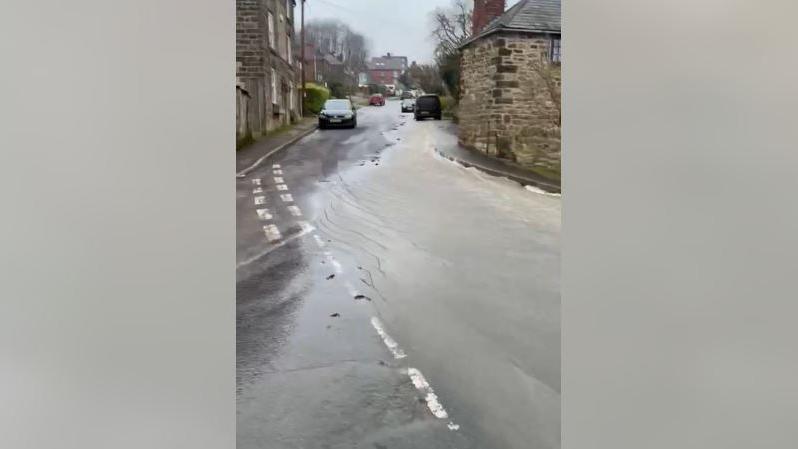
(315, 97)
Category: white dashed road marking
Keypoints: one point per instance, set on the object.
(257, 190)
(260, 200)
(276, 166)
(286, 197)
(389, 342)
(282, 187)
(415, 375)
(256, 181)
(278, 180)
(434, 405)
(264, 214)
(295, 211)
(277, 172)
(272, 233)
(306, 227)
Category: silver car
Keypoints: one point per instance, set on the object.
(408, 105)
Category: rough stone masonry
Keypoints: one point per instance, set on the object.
(510, 99)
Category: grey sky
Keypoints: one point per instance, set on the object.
(401, 27)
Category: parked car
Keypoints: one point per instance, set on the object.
(428, 106)
(337, 113)
(377, 100)
(408, 105)
(407, 94)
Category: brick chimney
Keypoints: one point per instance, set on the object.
(484, 12)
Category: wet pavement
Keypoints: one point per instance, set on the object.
(390, 298)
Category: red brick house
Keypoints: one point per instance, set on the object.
(386, 70)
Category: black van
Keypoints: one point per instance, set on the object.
(428, 106)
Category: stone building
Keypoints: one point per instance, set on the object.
(267, 73)
(510, 83)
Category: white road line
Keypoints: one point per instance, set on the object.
(277, 172)
(319, 241)
(337, 265)
(272, 233)
(260, 200)
(286, 197)
(256, 181)
(278, 180)
(257, 190)
(433, 404)
(264, 214)
(276, 166)
(295, 211)
(389, 342)
(306, 227)
(274, 247)
(282, 187)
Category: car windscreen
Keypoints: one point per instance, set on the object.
(428, 102)
(337, 105)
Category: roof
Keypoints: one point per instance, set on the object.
(381, 63)
(529, 16)
(332, 60)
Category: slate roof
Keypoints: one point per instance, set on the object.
(541, 16)
(385, 64)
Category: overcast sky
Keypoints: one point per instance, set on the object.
(401, 27)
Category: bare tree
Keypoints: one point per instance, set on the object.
(335, 37)
(451, 27)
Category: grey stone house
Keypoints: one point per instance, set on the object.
(266, 71)
(510, 83)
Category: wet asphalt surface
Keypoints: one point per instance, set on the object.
(459, 270)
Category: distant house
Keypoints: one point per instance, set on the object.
(325, 68)
(386, 70)
(510, 82)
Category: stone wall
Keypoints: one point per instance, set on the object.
(509, 99)
(255, 60)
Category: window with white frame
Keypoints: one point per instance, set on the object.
(270, 21)
(555, 53)
(274, 87)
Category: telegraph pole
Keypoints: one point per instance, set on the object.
(302, 38)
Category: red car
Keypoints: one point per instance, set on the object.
(377, 100)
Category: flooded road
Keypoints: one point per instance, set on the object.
(389, 298)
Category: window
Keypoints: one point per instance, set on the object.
(555, 53)
(271, 29)
(288, 49)
(274, 86)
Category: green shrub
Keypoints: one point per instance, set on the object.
(315, 97)
(339, 90)
(449, 107)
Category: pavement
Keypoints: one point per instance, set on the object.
(497, 167)
(265, 146)
(388, 298)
